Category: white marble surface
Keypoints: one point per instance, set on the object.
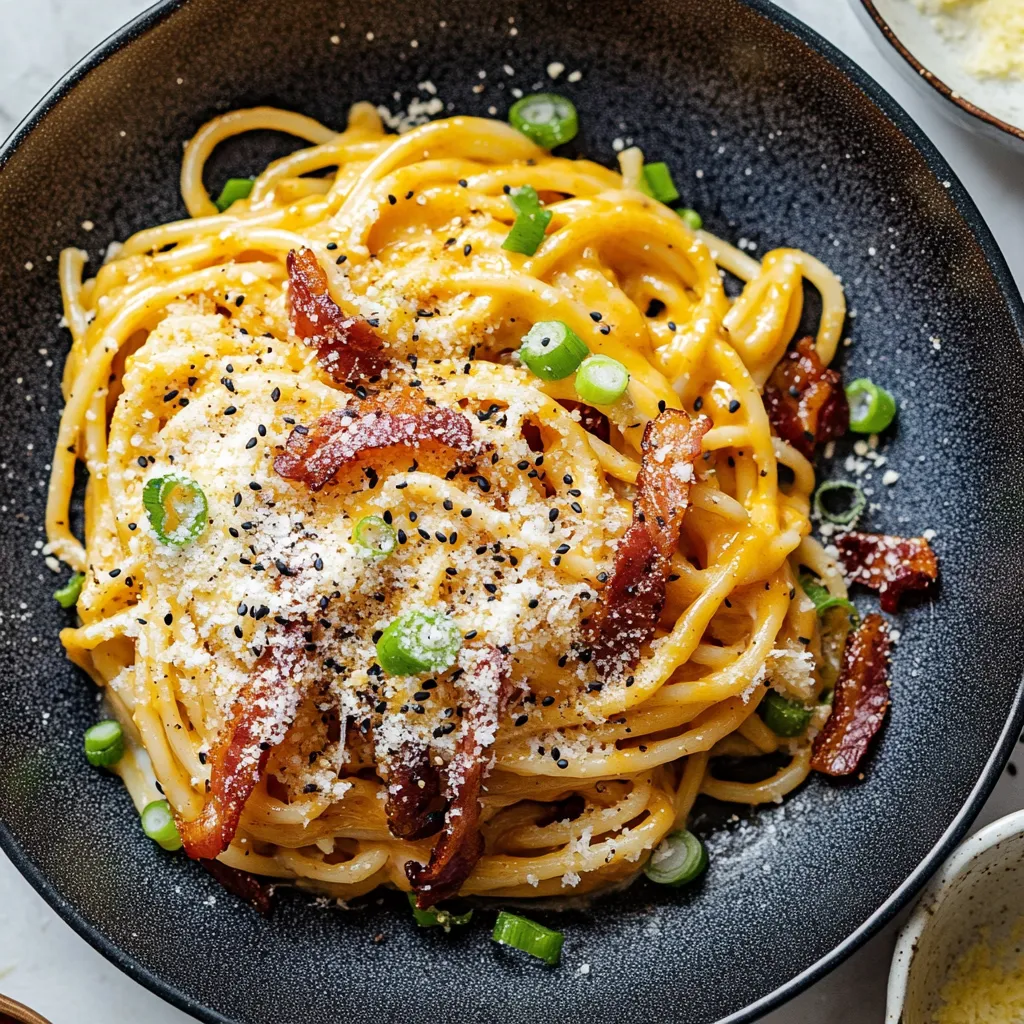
(44, 963)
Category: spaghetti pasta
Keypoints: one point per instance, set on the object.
(242, 653)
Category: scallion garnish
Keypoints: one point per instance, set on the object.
(374, 537)
(691, 218)
(601, 380)
(531, 221)
(234, 189)
(784, 717)
(158, 824)
(825, 602)
(419, 642)
(840, 502)
(679, 858)
(436, 917)
(530, 937)
(176, 507)
(67, 596)
(659, 181)
(872, 408)
(104, 743)
(552, 350)
(546, 118)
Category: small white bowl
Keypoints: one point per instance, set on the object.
(981, 886)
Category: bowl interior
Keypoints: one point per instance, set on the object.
(773, 142)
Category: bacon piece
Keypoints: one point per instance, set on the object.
(860, 702)
(890, 565)
(460, 845)
(392, 420)
(805, 401)
(347, 347)
(414, 793)
(260, 718)
(632, 602)
(592, 421)
(241, 884)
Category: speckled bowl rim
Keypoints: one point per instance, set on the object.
(926, 916)
(944, 90)
(965, 206)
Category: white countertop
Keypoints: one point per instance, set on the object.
(42, 961)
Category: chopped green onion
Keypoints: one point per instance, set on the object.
(659, 181)
(104, 743)
(176, 507)
(234, 188)
(784, 717)
(601, 380)
(546, 118)
(436, 917)
(531, 221)
(374, 537)
(67, 596)
(872, 408)
(678, 859)
(691, 218)
(824, 602)
(530, 937)
(852, 497)
(419, 642)
(158, 824)
(552, 350)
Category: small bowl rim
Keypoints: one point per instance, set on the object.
(20, 1012)
(933, 897)
(938, 84)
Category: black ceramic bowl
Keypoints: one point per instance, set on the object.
(797, 146)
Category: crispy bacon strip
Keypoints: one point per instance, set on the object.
(346, 346)
(460, 845)
(805, 401)
(890, 565)
(391, 420)
(260, 718)
(592, 421)
(860, 702)
(414, 793)
(241, 884)
(632, 602)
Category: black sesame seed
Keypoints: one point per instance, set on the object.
(698, 402)
(230, 411)
(168, 619)
(331, 246)
(734, 405)
(142, 461)
(562, 763)
(522, 720)
(275, 394)
(114, 573)
(253, 486)
(251, 443)
(552, 514)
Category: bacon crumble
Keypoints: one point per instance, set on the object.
(314, 454)
(260, 718)
(460, 844)
(633, 599)
(805, 401)
(245, 886)
(414, 794)
(890, 565)
(860, 701)
(347, 347)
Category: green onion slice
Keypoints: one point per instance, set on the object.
(678, 859)
(530, 937)
(552, 350)
(374, 537)
(784, 717)
(234, 188)
(67, 596)
(659, 181)
(824, 601)
(158, 824)
(437, 917)
(531, 221)
(851, 502)
(872, 408)
(104, 743)
(691, 218)
(601, 380)
(176, 507)
(546, 118)
(419, 642)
